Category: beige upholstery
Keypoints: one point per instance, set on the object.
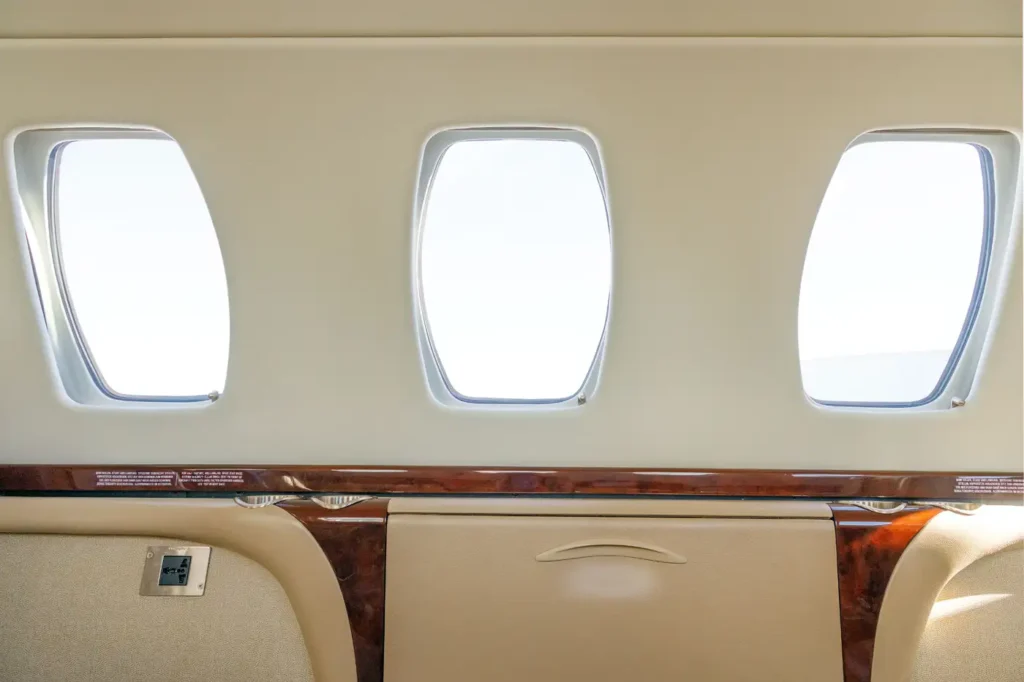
(976, 628)
(71, 610)
(536, 506)
(513, 598)
(985, 549)
(280, 565)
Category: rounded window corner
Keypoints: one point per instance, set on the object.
(511, 266)
(892, 296)
(127, 263)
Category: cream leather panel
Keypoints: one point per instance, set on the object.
(267, 537)
(718, 152)
(949, 544)
(510, 17)
(537, 506)
(70, 610)
(976, 628)
(468, 598)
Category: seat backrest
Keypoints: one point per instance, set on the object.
(954, 601)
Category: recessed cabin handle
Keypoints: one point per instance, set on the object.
(630, 549)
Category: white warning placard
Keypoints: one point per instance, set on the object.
(999, 485)
(213, 478)
(135, 479)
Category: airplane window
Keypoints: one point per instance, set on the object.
(894, 271)
(141, 268)
(515, 268)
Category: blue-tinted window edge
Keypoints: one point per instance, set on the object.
(973, 311)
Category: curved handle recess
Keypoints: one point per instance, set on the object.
(630, 549)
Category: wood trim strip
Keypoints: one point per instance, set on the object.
(355, 542)
(868, 547)
(354, 539)
(384, 480)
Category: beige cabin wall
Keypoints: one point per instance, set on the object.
(717, 151)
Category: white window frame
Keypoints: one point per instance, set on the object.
(999, 155)
(33, 156)
(433, 151)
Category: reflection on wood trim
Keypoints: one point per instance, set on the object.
(384, 480)
(355, 540)
(868, 547)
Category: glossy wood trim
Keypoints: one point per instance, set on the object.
(383, 480)
(868, 547)
(355, 542)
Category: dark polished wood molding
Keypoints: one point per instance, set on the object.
(868, 547)
(384, 480)
(354, 540)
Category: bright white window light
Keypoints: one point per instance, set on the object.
(141, 268)
(515, 268)
(892, 271)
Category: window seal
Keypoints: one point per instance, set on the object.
(67, 301)
(436, 146)
(984, 264)
(33, 155)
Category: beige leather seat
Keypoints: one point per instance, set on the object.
(953, 610)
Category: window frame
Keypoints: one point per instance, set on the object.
(434, 149)
(998, 156)
(34, 161)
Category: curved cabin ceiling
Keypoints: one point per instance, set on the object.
(317, 18)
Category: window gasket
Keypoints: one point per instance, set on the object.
(66, 137)
(984, 264)
(434, 149)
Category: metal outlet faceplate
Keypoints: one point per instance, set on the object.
(175, 571)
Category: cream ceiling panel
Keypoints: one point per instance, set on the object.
(29, 18)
